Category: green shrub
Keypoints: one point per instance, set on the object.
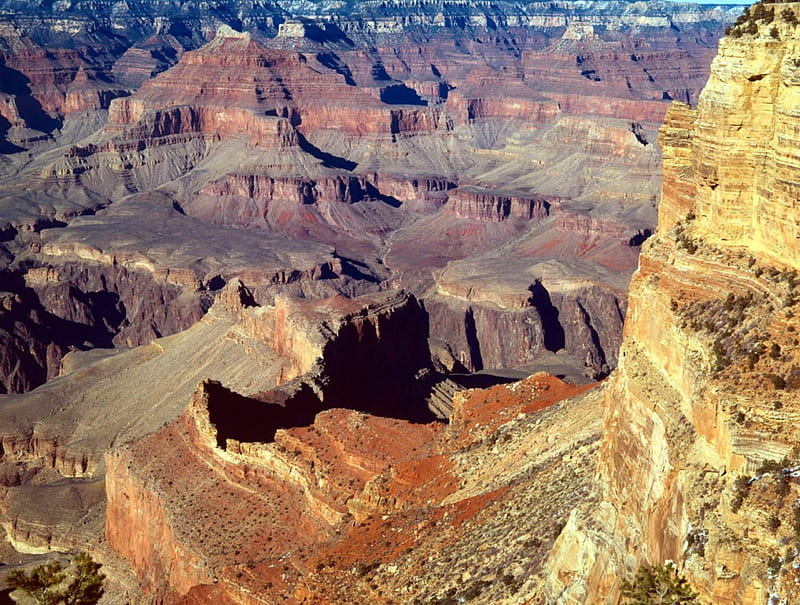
(45, 582)
(41, 584)
(660, 584)
(741, 489)
(772, 466)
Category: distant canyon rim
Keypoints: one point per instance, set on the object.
(499, 163)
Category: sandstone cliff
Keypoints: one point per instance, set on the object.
(353, 508)
(697, 459)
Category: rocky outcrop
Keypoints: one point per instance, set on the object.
(212, 121)
(339, 352)
(474, 203)
(250, 200)
(73, 295)
(696, 458)
(478, 104)
(583, 321)
(300, 490)
(756, 95)
(55, 437)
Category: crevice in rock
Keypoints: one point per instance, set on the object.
(332, 61)
(473, 343)
(600, 366)
(640, 237)
(554, 336)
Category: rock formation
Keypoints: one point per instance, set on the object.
(697, 461)
(349, 508)
(315, 351)
(394, 152)
(200, 278)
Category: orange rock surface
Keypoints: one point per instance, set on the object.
(309, 516)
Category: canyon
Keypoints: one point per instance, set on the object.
(252, 270)
(392, 155)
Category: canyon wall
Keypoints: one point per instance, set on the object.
(402, 138)
(697, 459)
(350, 155)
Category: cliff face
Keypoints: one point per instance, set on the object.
(349, 508)
(747, 190)
(49, 311)
(697, 456)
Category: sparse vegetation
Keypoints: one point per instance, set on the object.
(658, 585)
(774, 564)
(747, 22)
(45, 583)
(696, 541)
(745, 343)
(796, 523)
(772, 466)
(779, 382)
(741, 489)
(684, 241)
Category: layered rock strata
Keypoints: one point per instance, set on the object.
(56, 436)
(345, 510)
(697, 461)
(312, 145)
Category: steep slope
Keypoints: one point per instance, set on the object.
(698, 455)
(54, 438)
(354, 508)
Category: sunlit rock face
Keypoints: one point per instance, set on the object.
(705, 391)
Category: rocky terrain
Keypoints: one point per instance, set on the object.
(249, 264)
(698, 455)
(378, 137)
(694, 458)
